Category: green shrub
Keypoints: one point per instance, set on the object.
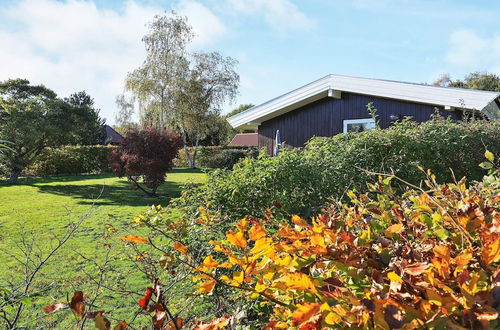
(71, 160)
(216, 157)
(303, 181)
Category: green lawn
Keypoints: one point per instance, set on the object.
(43, 208)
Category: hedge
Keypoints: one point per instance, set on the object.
(71, 160)
(216, 156)
(304, 181)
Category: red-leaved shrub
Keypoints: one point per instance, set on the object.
(147, 154)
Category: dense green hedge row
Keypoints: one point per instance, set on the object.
(303, 181)
(71, 160)
(216, 156)
(94, 159)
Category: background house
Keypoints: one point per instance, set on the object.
(336, 104)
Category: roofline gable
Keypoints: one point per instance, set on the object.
(333, 85)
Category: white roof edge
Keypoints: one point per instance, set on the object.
(427, 94)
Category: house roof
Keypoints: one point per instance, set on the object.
(245, 140)
(111, 136)
(333, 85)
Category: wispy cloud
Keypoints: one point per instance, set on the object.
(280, 14)
(74, 45)
(471, 51)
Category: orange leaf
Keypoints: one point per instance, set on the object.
(299, 281)
(299, 221)
(218, 323)
(237, 239)
(442, 251)
(491, 252)
(256, 232)
(121, 326)
(242, 225)
(133, 239)
(181, 248)
(304, 313)
(206, 286)
(394, 229)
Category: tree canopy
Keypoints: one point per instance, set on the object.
(474, 80)
(179, 89)
(34, 118)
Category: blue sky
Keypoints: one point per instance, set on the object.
(280, 44)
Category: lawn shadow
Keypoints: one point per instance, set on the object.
(112, 193)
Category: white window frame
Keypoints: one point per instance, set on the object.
(357, 121)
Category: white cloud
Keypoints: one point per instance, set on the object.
(472, 52)
(280, 14)
(206, 25)
(74, 45)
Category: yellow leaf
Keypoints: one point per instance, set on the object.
(262, 246)
(210, 263)
(133, 239)
(101, 323)
(394, 277)
(237, 239)
(256, 232)
(304, 312)
(394, 229)
(238, 278)
(181, 248)
(206, 286)
(332, 318)
(318, 240)
(491, 252)
(260, 287)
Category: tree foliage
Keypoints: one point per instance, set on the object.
(34, 118)
(147, 154)
(475, 80)
(179, 89)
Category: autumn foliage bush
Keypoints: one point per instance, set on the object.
(147, 154)
(428, 258)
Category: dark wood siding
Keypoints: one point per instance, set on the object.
(325, 117)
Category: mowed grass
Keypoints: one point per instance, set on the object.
(39, 210)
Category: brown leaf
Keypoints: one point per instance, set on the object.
(101, 322)
(55, 307)
(121, 326)
(394, 317)
(77, 305)
(416, 268)
(159, 316)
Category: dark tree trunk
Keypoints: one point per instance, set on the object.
(14, 174)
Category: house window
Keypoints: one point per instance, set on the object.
(358, 125)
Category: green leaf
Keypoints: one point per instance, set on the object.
(486, 165)
(26, 301)
(441, 233)
(489, 155)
